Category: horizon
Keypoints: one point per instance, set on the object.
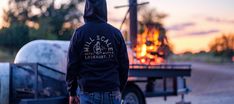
(191, 24)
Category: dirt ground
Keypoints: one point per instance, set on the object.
(210, 84)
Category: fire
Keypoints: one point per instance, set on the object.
(148, 47)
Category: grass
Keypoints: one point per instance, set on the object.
(205, 58)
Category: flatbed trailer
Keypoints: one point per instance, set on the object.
(156, 81)
(35, 83)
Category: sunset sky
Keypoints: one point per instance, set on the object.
(191, 24)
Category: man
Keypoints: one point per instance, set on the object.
(97, 59)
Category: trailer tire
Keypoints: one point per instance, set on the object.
(133, 95)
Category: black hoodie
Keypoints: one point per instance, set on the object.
(97, 57)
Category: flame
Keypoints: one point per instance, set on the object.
(143, 50)
(147, 48)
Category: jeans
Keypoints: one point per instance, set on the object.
(113, 97)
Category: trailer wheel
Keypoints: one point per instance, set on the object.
(133, 95)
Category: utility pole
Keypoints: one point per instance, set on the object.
(133, 28)
(133, 22)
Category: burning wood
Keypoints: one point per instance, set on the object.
(152, 45)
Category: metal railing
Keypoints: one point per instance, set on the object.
(35, 80)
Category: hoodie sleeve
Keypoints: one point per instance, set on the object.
(124, 64)
(73, 65)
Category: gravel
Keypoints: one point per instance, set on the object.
(210, 84)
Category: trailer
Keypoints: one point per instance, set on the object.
(31, 83)
(156, 81)
(38, 77)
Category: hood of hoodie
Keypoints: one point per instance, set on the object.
(95, 11)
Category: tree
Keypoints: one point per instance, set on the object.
(149, 15)
(14, 37)
(27, 20)
(223, 46)
(47, 12)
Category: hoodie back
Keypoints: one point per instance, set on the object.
(97, 55)
(95, 11)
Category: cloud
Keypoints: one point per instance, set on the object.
(196, 33)
(219, 20)
(206, 32)
(179, 27)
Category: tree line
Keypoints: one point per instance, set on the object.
(27, 20)
(223, 46)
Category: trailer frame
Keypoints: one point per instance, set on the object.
(138, 74)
